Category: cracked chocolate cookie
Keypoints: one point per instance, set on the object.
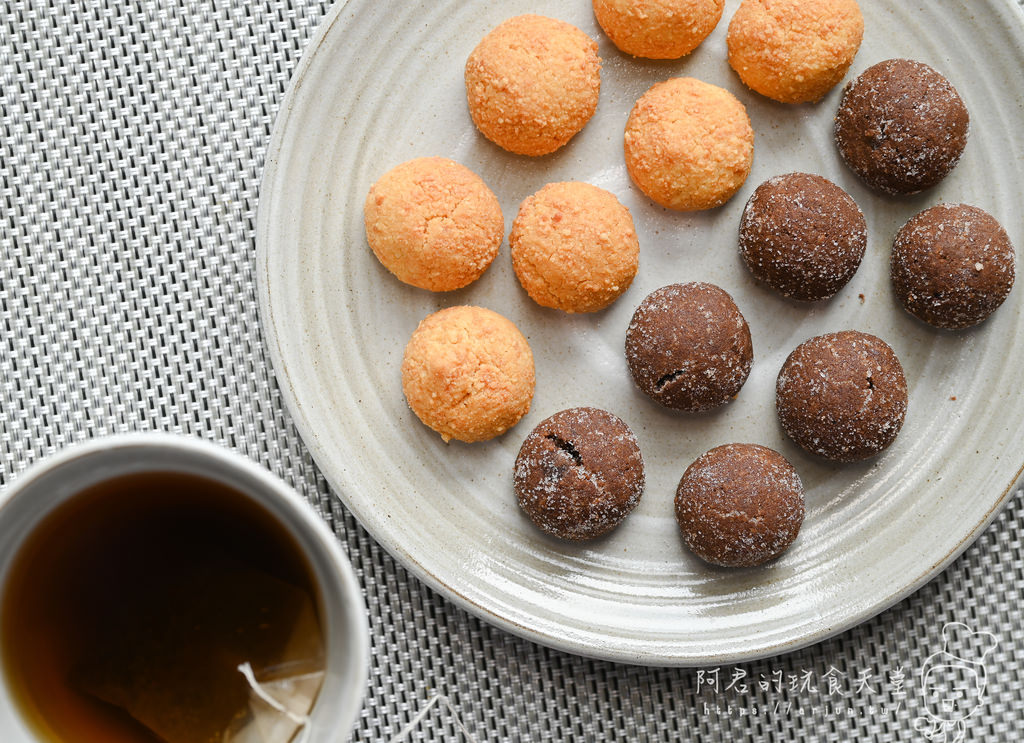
(842, 395)
(740, 505)
(688, 347)
(579, 473)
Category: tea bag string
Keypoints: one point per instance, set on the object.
(302, 721)
(443, 701)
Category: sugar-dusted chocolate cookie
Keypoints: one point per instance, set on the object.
(740, 505)
(688, 346)
(802, 235)
(952, 265)
(842, 395)
(579, 473)
(901, 126)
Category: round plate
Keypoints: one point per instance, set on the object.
(382, 83)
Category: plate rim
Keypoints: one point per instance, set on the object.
(1011, 10)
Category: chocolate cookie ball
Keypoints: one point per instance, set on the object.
(532, 83)
(433, 223)
(574, 247)
(740, 505)
(579, 473)
(952, 265)
(794, 51)
(842, 395)
(468, 373)
(658, 29)
(901, 126)
(688, 347)
(689, 145)
(803, 236)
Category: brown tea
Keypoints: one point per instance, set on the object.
(128, 610)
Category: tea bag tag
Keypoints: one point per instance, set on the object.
(278, 709)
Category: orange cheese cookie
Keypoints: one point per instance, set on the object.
(658, 29)
(794, 51)
(433, 223)
(689, 145)
(574, 247)
(468, 373)
(532, 83)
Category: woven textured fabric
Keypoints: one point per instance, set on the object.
(131, 150)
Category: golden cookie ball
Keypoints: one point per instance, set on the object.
(532, 83)
(689, 145)
(433, 223)
(468, 373)
(794, 51)
(574, 247)
(658, 29)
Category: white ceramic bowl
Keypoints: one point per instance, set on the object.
(55, 479)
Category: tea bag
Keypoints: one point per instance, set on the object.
(175, 668)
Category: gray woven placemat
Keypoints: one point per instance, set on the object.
(130, 157)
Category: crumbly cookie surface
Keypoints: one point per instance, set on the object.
(689, 145)
(574, 247)
(468, 373)
(794, 51)
(658, 29)
(433, 223)
(532, 83)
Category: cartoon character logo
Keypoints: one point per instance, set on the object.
(953, 681)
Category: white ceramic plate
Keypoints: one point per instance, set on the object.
(382, 83)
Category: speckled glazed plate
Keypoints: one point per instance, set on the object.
(382, 83)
